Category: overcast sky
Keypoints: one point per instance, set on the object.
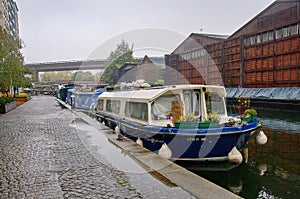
(62, 30)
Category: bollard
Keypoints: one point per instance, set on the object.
(73, 101)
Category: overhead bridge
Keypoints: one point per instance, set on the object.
(68, 65)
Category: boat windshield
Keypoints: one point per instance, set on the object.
(161, 109)
(214, 103)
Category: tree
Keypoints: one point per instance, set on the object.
(61, 76)
(98, 77)
(83, 76)
(12, 70)
(118, 57)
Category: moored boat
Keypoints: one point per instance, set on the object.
(83, 98)
(182, 122)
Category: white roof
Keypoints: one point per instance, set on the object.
(153, 93)
(147, 95)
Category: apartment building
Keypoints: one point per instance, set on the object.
(9, 17)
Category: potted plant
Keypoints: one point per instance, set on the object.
(249, 115)
(22, 97)
(212, 121)
(7, 104)
(186, 121)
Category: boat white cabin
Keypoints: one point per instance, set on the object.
(154, 106)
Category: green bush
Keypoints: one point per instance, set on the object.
(250, 112)
(187, 118)
(6, 100)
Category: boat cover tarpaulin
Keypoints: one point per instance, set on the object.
(290, 93)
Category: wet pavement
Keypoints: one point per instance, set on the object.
(49, 152)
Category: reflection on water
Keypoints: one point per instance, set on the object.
(280, 120)
(272, 170)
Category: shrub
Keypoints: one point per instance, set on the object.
(6, 100)
(23, 95)
(187, 118)
(213, 117)
(250, 112)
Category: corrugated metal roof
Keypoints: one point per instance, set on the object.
(213, 35)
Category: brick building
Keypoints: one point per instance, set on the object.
(265, 52)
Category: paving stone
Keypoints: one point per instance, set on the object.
(42, 156)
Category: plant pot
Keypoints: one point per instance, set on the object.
(186, 125)
(7, 107)
(21, 99)
(204, 125)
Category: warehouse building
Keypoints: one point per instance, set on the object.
(265, 52)
(150, 69)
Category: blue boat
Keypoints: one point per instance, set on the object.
(62, 92)
(83, 100)
(182, 122)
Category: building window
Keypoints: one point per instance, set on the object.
(194, 55)
(136, 110)
(271, 35)
(286, 32)
(258, 38)
(199, 53)
(294, 29)
(278, 34)
(247, 41)
(252, 40)
(265, 37)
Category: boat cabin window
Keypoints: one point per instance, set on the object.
(161, 109)
(196, 103)
(214, 103)
(113, 106)
(192, 102)
(100, 105)
(136, 110)
(187, 102)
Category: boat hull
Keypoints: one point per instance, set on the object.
(186, 144)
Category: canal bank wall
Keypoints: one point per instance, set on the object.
(159, 167)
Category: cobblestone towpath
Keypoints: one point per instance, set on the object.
(42, 155)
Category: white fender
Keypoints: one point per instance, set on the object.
(236, 187)
(245, 154)
(117, 130)
(92, 107)
(262, 168)
(165, 151)
(234, 156)
(261, 138)
(139, 142)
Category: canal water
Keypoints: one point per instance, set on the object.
(272, 170)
